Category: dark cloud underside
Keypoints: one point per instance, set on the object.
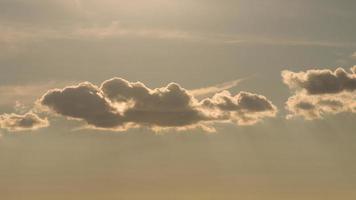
(119, 104)
(320, 92)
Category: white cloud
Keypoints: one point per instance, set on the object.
(216, 88)
(27, 122)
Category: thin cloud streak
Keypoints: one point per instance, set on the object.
(115, 29)
(12, 36)
(26, 94)
(257, 40)
(353, 55)
(202, 92)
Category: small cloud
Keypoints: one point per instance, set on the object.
(353, 55)
(243, 109)
(216, 88)
(29, 121)
(316, 106)
(353, 69)
(321, 81)
(320, 91)
(20, 107)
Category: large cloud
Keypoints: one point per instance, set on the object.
(28, 121)
(320, 92)
(119, 104)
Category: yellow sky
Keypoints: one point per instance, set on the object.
(212, 100)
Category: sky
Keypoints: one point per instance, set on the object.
(177, 100)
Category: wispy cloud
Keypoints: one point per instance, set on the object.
(115, 29)
(261, 40)
(353, 55)
(201, 92)
(13, 95)
(16, 35)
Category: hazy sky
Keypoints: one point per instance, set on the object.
(166, 127)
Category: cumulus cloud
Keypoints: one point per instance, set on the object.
(244, 108)
(320, 92)
(321, 81)
(119, 104)
(26, 122)
(84, 101)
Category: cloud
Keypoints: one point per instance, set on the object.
(316, 106)
(29, 121)
(14, 36)
(353, 69)
(115, 30)
(25, 94)
(119, 104)
(320, 92)
(321, 81)
(216, 88)
(84, 101)
(353, 55)
(243, 109)
(278, 41)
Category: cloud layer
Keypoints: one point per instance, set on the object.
(29, 121)
(320, 92)
(119, 104)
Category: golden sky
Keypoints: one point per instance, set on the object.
(177, 100)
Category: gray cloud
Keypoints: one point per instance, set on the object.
(170, 106)
(244, 108)
(316, 106)
(321, 81)
(28, 121)
(320, 92)
(84, 101)
(119, 104)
